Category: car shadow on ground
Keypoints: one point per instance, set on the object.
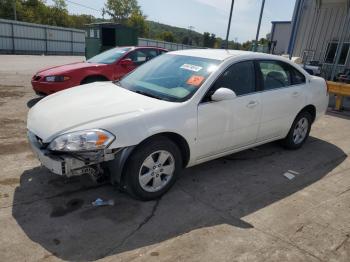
(57, 213)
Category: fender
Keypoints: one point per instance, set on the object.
(115, 167)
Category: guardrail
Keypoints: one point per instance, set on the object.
(339, 90)
(167, 45)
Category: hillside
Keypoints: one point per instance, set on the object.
(155, 29)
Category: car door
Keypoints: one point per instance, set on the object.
(230, 124)
(282, 97)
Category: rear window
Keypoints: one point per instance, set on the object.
(110, 56)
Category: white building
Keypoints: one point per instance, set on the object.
(279, 37)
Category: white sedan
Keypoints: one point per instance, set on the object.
(180, 109)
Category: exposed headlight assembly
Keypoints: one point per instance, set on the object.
(87, 140)
(56, 78)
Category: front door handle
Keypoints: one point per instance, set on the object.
(295, 94)
(252, 104)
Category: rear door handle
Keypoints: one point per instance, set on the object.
(252, 104)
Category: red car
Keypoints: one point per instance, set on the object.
(107, 66)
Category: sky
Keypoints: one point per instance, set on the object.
(205, 15)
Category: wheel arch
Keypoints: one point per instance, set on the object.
(117, 166)
(311, 109)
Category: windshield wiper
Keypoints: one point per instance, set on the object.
(147, 94)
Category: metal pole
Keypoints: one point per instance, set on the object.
(259, 25)
(14, 10)
(340, 46)
(229, 23)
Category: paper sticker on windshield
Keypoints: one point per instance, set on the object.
(193, 68)
(195, 80)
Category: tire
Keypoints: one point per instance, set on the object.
(297, 134)
(92, 79)
(148, 178)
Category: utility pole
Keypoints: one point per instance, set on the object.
(14, 10)
(190, 28)
(259, 24)
(229, 23)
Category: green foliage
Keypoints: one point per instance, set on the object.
(127, 12)
(36, 11)
(181, 35)
(138, 21)
(167, 36)
(121, 10)
(209, 40)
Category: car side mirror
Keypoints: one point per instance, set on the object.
(223, 93)
(126, 62)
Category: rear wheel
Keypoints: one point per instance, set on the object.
(299, 132)
(152, 169)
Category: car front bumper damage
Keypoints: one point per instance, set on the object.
(71, 164)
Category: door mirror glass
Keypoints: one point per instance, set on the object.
(223, 93)
(126, 62)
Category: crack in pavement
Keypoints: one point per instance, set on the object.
(289, 243)
(343, 242)
(133, 232)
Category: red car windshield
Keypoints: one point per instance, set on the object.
(109, 56)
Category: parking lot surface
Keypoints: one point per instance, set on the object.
(263, 204)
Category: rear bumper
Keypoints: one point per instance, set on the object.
(65, 164)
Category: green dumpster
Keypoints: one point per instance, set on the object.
(104, 36)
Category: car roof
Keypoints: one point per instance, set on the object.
(143, 47)
(222, 54)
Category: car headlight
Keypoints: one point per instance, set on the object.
(56, 78)
(87, 140)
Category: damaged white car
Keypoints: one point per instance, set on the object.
(178, 110)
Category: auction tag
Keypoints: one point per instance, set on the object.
(195, 80)
(193, 68)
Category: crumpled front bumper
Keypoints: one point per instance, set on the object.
(65, 164)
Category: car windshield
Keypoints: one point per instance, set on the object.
(109, 56)
(170, 77)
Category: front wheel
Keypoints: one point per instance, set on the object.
(153, 168)
(299, 131)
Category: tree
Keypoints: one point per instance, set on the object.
(247, 45)
(138, 21)
(206, 39)
(209, 40)
(121, 10)
(59, 13)
(167, 36)
(185, 40)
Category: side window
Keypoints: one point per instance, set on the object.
(275, 75)
(239, 77)
(297, 77)
(150, 54)
(138, 57)
(141, 56)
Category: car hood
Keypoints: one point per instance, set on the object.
(83, 105)
(59, 70)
